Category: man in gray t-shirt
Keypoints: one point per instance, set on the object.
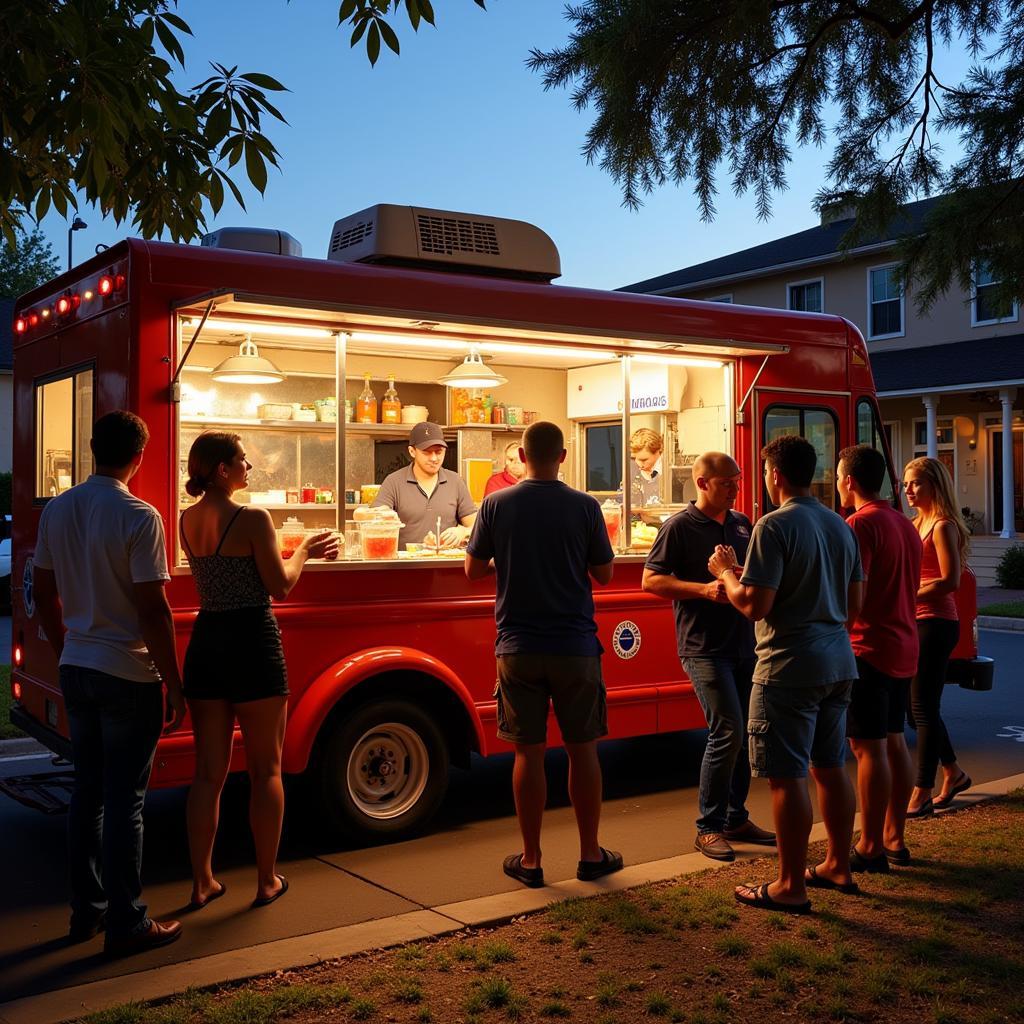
(801, 584)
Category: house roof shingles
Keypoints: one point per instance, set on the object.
(958, 364)
(814, 243)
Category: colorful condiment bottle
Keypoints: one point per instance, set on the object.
(366, 403)
(391, 408)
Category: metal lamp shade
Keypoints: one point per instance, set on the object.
(473, 372)
(248, 367)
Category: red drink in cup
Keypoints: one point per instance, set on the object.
(612, 521)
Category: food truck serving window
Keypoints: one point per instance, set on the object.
(64, 415)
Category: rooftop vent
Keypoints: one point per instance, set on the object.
(278, 243)
(833, 213)
(439, 239)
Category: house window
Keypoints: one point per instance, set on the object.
(64, 415)
(718, 298)
(987, 307)
(944, 441)
(885, 303)
(806, 296)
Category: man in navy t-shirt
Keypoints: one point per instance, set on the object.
(545, 542)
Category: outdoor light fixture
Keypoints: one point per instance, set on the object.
(473, 372)
(248, 367)
(76, 225)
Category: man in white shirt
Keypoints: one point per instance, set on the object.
(100, 571)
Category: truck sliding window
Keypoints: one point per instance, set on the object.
(871, 432)
(819, 426)
(602, 448)
(64, 415)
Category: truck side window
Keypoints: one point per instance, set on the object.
(870, 431)
(602, 447)
(820, 428)
(64, 415)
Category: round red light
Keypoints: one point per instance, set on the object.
(105, 286)
(33, 319)
(63, 305)
(20, 325)
(17, 657)
(16, 690)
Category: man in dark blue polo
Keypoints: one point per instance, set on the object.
(425, 492)
(716, 647)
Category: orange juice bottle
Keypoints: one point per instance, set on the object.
(391, 407)
(366, 403)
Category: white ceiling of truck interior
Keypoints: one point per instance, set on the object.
(586, 347)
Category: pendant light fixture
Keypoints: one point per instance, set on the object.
(473, 372)
(248, 367)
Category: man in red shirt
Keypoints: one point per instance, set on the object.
(884, 640)
(511, 474)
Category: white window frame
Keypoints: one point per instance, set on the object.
(975, 322)
(799, 284)
(920, 451)
(724, 297)
(902, 332)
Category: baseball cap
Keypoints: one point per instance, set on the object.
(426, 435)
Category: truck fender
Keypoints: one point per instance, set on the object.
(307, 717)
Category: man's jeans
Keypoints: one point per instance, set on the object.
(115, 724)
(723, 687)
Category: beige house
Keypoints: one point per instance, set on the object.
(947, 382)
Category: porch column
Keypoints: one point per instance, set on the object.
(931, 403)
(1006, 397)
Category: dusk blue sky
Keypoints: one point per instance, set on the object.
(456, 122)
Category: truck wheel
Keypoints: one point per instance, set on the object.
(384, 770)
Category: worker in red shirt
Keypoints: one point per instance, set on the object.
(511, 474)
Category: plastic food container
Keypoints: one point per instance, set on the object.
(414, 413)
(368, 492)
(274, 411)
(291, 536)
(379, 537)
(326, 410)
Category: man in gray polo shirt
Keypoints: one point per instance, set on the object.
(801, 584)
(425, 491)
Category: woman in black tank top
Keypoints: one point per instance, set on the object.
(234, 665)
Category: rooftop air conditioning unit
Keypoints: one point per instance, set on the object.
(439, 239)
(270, 240)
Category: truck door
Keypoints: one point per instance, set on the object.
(817, 417)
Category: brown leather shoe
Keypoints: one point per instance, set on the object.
(714, 845)
(748, 832)
(159, 933)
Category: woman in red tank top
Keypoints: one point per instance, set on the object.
(929, 490)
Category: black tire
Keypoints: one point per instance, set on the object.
(384, 770)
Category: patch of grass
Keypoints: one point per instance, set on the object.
(496, 952)
(733, 945)
(586, 957)
(777, 922)
(630, 918)
(556, 992)
(810, 932)
(658, 1004)
(550, 939)
(270, 1005)
(424, 1016)
(581, 940)
(375, 980)
(464, 953)
(609, 988)
(785, 981)
(442, 962)
(411, 956)
(1004, 609)
(407, 990)
(946, 1015)
(555, 1009)
(720, 1002)
(571, 911)
(363, 1009)
(7, 731)
(786, 954)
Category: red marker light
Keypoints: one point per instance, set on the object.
(105, 286)
(20, 325)
(16, 690)
(33, 319)
(119, 281)
(18, 657)
(63, 306)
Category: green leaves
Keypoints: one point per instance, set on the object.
(370, 18)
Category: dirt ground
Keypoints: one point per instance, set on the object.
(940, 942)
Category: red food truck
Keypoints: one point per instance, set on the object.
(390, 651)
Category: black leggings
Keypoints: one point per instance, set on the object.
(937, 637)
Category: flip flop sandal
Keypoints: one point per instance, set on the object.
(265, 901)
(964, 782)
(195, 905)
(815, 881)
(869, 865)
(760, 899)
(591, 870)
(531, 877)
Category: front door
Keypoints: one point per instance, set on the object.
(996, 448)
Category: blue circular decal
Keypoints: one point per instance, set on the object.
(626, 640)
(28, 594)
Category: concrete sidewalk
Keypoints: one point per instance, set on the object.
(443, 919)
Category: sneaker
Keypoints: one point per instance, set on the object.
(748, 832)
(156, 935)
(714, 845)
